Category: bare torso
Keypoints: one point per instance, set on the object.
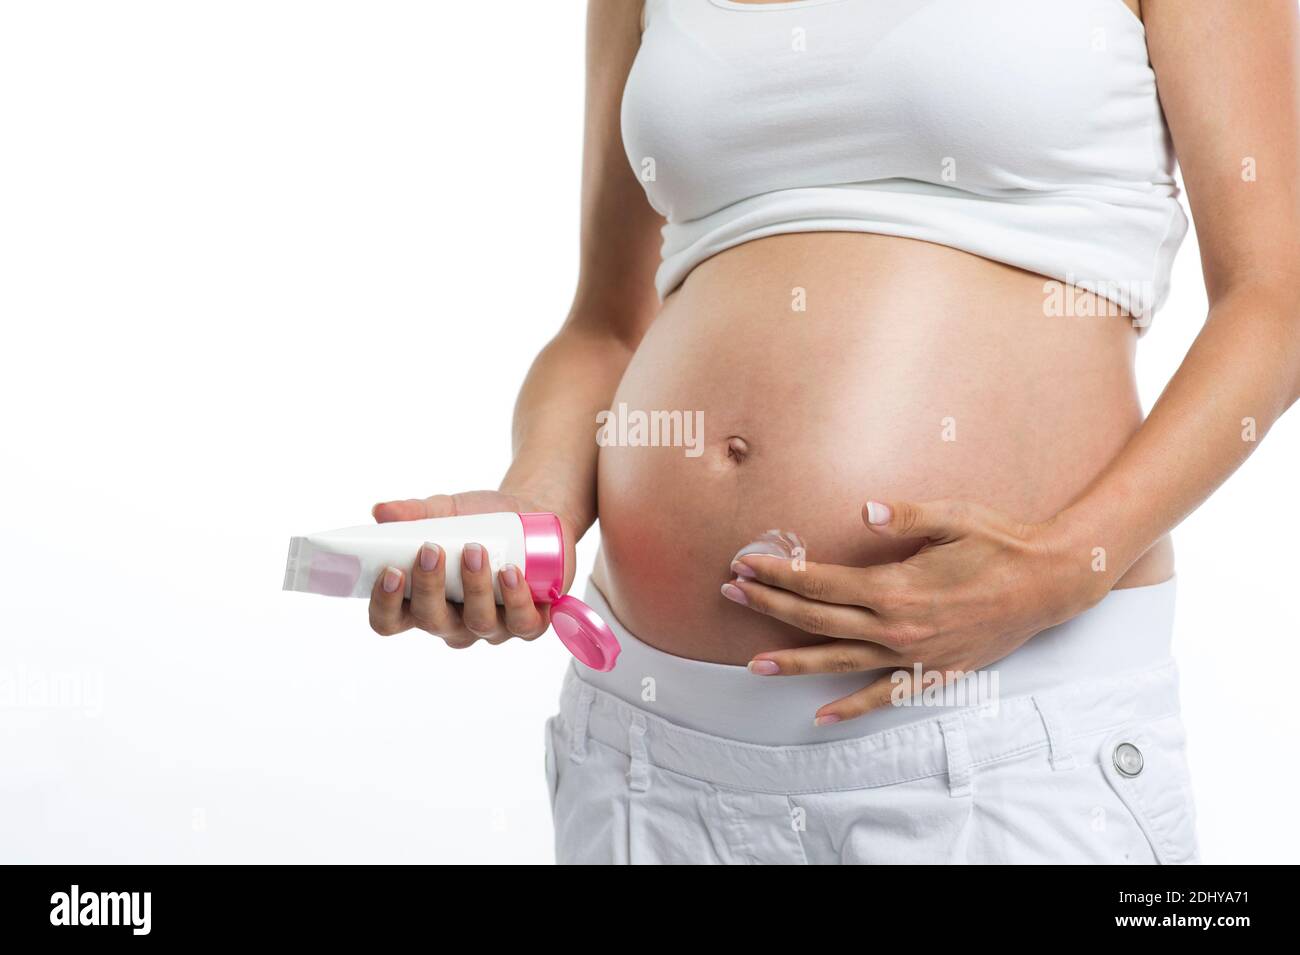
(914, 372)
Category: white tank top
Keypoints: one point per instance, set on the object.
(1025, 131)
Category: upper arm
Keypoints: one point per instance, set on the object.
(619, 249)
(1229, 82)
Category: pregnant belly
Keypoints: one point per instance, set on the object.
(792, 378)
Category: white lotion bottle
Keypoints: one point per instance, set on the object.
(347, 562)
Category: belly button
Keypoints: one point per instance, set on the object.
(737, 449)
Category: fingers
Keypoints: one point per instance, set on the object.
(387, 610)
(429, 609)
(838, 656)
(478, 618)
(812, 616)
(479, 613)
(933, 520)
(414, 509)
(522, 618)
(831, 583)
(888, 690)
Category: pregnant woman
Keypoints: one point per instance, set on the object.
(907, 593)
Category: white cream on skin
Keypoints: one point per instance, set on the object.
(775, 543)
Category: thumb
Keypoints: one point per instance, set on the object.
(934, 520)
(414, 509)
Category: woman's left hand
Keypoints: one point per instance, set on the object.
(980, 586)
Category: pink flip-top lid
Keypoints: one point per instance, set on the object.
(579, 627)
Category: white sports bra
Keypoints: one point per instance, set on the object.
(1024, 131)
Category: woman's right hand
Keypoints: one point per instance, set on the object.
(479, 617)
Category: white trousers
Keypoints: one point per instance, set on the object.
(1087, 767)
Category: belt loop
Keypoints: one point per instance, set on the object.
(958, 752)
(638, 774)
(581, 717)
(1058, 743)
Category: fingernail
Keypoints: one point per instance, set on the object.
(826, 720)
(742, 570)
(764, 667)
(392, 580)
(429, 557)
(474, 557)
(732, 592)
(510, 576)
(878, 513)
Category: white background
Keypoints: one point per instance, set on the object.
(263, 264)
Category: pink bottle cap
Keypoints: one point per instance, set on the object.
(578, 626)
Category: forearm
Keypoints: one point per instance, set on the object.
(1241, 374)
(554, 436)
(575, 376)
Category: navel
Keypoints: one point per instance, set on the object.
(737, 449)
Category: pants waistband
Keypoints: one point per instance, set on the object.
(1056, 723)
(1128, 630)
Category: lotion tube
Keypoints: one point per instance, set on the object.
(347, 562)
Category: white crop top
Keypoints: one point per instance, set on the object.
(1024, 131)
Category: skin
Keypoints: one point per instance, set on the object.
(961, 574)
(841, 402)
